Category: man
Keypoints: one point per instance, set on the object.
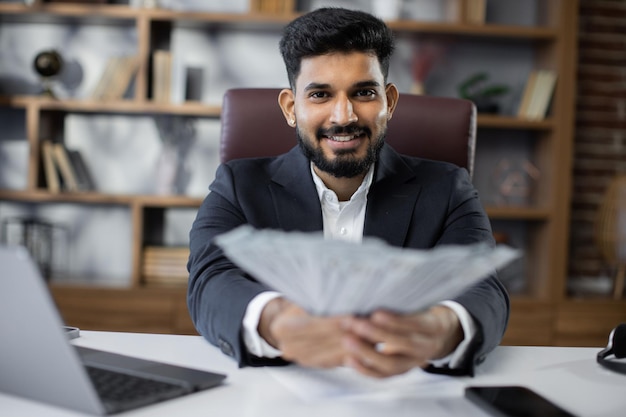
(343, 179)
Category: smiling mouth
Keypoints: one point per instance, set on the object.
(345, 138)
(343, 134)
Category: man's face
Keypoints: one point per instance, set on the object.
(341, 110)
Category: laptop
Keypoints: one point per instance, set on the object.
(38, 362)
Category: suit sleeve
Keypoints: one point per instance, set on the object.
(487, 302)
(219, 291)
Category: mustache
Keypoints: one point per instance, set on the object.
(351, 129)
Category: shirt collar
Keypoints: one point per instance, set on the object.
(362, 190)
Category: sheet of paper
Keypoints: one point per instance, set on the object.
(329, 277)
(312, 385)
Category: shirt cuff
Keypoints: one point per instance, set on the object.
(455, 359)
(255, 344)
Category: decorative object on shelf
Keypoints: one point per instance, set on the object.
(590, 286)
(476, 89)
(48, 64)
(226, 6)
(177, 135)
(387, 9)
(71, 77)
(425, 56)
(610, 231)
(514, 181)
(194, 79)
(147, 4)
(45, 241)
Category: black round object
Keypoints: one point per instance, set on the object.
(48, 63)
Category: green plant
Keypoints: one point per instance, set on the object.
(476, 89)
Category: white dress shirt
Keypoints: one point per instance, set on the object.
(343, 220)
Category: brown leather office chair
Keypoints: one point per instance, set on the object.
(428, 127)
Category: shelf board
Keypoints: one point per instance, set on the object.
(78, 286)
(527, 301)
(87, 10)
(597, 304)
(512, 122)
(206, 110)
(168, 201)
(268, 19)
(41, 196)
(517, 213)
(71, 9)
(465, 29)
(200, 17)
(113, 106)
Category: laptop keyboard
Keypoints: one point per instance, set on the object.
(121, 391)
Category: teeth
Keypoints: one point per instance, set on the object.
(343, 138)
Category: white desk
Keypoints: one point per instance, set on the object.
(568, 376)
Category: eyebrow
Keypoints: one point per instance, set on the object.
(360, 84)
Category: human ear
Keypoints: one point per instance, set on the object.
(286, 101)
(393, 95)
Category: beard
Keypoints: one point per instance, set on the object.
(345, 164)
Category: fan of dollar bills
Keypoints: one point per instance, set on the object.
(328, 277)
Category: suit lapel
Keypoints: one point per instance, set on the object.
(293, 192)
(390, 204)
(391, 199)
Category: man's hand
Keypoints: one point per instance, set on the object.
(302, 338)
(387, 344)
(382, 345)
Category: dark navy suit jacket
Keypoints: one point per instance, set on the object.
(412, 202)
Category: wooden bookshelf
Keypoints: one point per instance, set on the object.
(540, 315)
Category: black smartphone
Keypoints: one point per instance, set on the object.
(513, 401)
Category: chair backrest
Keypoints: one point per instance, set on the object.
(428, 127)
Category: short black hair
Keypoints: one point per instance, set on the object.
(333, 29)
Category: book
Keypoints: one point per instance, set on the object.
(84, 178)
(272, 6)
(193, 83)
(544, 89)
(255, 5)
(122, 77)
(286, 6)
(475, 11)
(537, 95)
(527, 95)
(50, 170)
(165, 265)
(104, 83)
(116, 77)
(161, 76)
(64, 166)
